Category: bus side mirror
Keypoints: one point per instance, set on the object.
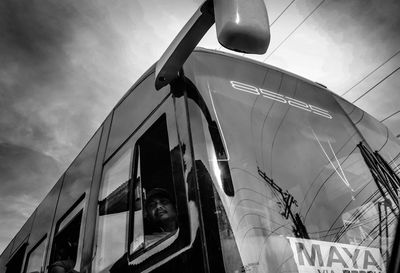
(242, 25)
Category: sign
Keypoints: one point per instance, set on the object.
(312, 256)
(280, 98)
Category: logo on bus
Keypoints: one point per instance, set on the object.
(329, 257)
(281, 98)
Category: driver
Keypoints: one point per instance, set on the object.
(161, 211)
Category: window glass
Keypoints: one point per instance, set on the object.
(131, 112)
(78, 177)
(231, 257)
(66, 247)
(35, 259)
(376, 134)
(310, 193)
(15, 263)
(113, 210)
(302, 187)
(140, 175)
(156, 223)
(23, 233)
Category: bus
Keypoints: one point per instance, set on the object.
(258, 169)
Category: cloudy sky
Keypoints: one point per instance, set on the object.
(64, 65)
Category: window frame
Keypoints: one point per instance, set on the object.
(186, 238)
(182, 242)
(28, 256)
(77, 208)
(135, 160)
(109, 164)
(18, 256)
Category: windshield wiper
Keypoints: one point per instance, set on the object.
(385, 178)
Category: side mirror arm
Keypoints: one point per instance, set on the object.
(182, 46)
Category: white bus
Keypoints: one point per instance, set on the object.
(257, 169)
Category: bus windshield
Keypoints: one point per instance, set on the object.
(311, 192)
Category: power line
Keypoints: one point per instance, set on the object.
(290, 34)
(391, 115)
(326, 181)
(369, 74)
(369, 90)
(282, 13)
(316, 176)
(276, 19)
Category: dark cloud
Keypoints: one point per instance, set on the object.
(32, 30)
(54, 76)
(32, 56)
(25, 176)
(24, 171)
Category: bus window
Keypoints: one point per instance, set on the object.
(113, 209)
(155, 218)
(15, 263)
(144, 216)
(307, 184)
(35, 258)
(65, 251)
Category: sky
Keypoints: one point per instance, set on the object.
(65, 64)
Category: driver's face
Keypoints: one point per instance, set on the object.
(161, 209)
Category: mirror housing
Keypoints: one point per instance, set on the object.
(242, 25)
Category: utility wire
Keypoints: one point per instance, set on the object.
(323, 184)
(370, 73)
(282, 13)
(391, 115)
(376, 85)
(293, 31)
(394, 159)
(316, 177)
(276, 19)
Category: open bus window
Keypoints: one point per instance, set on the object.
(155, 221)
(35, 258)
(126, 237)
(113, 210)
(65, 253)
(15, 263)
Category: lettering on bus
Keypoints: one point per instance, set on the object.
(280, 98)
(328, 257)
